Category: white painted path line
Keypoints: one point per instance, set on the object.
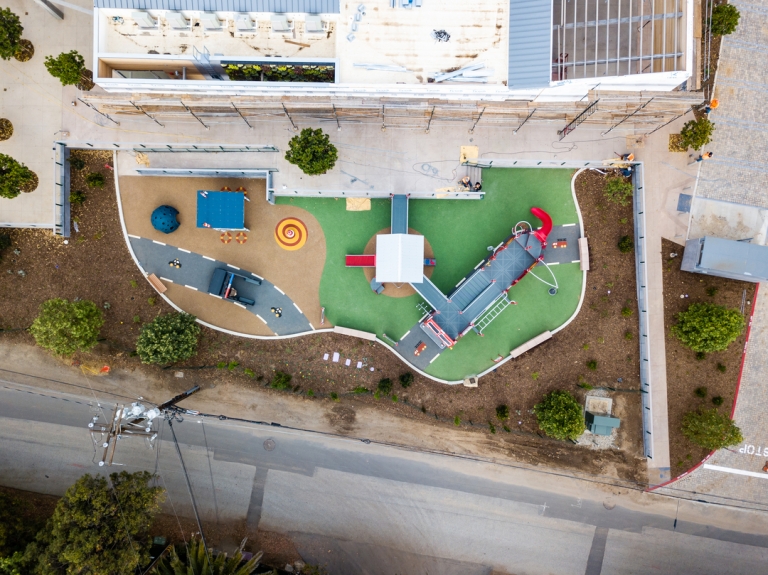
(311, 326)
(278, 289)
(574, 261)
(462, 279)
(736, 471)
(166, 279)
(134, 237)
(185, 251)
(478, 265)
(191, 287)
(261, 318)
(554, 264)
(233, 267)
(298, 308)
(406, 335)
(434, 358)
(206, 257)
(241, 305)
(568, 225)
(158, 243)
(214, 295)
(257, 276)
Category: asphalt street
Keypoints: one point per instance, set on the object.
(367, 508)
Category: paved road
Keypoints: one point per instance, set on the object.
(367, 508)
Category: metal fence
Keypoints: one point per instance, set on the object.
(642, 305)
(575, 164)
(61, 219)
(165, 148)
(258, 174)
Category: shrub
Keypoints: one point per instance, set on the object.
(68, 67)
(310, 393)
(95, 180)
(717, 400)
(168, 338)
(706, 327)
(249, 372)
(592, 364)
(491, 427)
(406, 379)
(457, 421)
(502, 412)
(710, 429)
(281, 380)
(76, 163)
(559, 415)
(629, 336)
(221, 365)
(700, 392)
(626, 311)
(65, 327)
(232, 365)
(700, 355)
(535, 375)
(712, 291)
(721, 368)
(15, 178)
(626, 244)
(137, 319)
(152, 301)
(76, 197)
(618, 190)
(360, 389)
(697, 133)
(385, 386)
(334, 396)
(725, 19)
(10, 34)
(312, 152)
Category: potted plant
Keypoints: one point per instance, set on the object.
(11, 42)
(6, 129)
(69, 68)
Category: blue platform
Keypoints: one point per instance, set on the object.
(221, 210)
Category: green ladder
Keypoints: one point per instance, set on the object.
(499, 306)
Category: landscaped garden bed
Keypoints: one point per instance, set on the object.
(325, 73)
(717, 373)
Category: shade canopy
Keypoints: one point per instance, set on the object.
(164, 219)
(400, 258)
(221, 210)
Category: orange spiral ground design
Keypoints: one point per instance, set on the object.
(291, 234)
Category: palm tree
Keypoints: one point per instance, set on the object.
(191, 559)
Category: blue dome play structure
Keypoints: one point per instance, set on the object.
(164, 219)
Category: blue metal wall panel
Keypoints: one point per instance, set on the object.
(530, 41)
(277, 6)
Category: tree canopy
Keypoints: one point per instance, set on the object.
(706, 327)
(10, 33)
(312, 152)
(711, 429)
(15, 178)
(559, 415)
(725, 19)
(65, 327)
(191, 559)
(168, 338)
(68, 67)
(696, 133)
(98, 528)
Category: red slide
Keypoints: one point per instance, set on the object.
(546, 221)
(362, 261)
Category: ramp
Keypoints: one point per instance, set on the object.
(399, 214)
(429, 291)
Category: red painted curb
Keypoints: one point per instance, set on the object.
(735, 396)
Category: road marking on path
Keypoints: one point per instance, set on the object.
(185, 251)
(256, 276)
(406, 335)
(214, 295)
(241, 305)
(261, 318)
(298, 308)
(574, 261)
(462, 279)
(134, 237)
(434, 358)
(736, 471)
(206, 257)
(568, 225)
(278, 289)
(311, 326)
(158, 243)
(166, 279)
(191, 287)
(233, 267)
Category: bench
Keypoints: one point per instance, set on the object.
(583, 255)
(155, 282)
(530, 344)
(246, 301)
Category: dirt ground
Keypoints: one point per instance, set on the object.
(96, 265)
(685, 373)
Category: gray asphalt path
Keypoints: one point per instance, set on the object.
(367, 508)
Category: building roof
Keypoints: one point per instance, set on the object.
(530, 44)
(278, 6)
(731, 256)
(400, 258)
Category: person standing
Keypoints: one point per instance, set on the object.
(702, 157)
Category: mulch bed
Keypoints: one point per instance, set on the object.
(685, 373)
(96, 265)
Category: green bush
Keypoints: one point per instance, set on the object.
(280, 73)
(457, 421)
(721, 368)
(68, 67)
(710, 429)
(65, 327)
(700, 356)
(626, 244)
(312, 152)
(168, 338)
(629, 336)
(592, 364)
(406, 379)
(712, 291)
(725, 19)
(249, 372)
(700, 392)
(5, 243)
(626, 312)
(717, 400)
(334, 396)
(281, 380)
(697, 133)
(502, 412)
(76, 163)
(559, 415)
(360, 389)
(76, 197)
(15, 178)
(385, 386)
(95, 180)
(10, 34)
(706, 327)
(618, 190)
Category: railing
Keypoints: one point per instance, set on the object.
(642, 305)
(60, 190)
(577, 164)
(385, 194)
(262, 173)
(160, 147)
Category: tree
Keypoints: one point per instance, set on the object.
(65, 327)
(10, 34)
(707, 327)
(559, 415)
(15, 178)
(711, 429)
(191, 559)
(312, 152)
(696, 134)
(98, 527)
(725, 18)
(68, 67)
(618, 190)
(168, 338)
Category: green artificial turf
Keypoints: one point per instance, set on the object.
(459, 232)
